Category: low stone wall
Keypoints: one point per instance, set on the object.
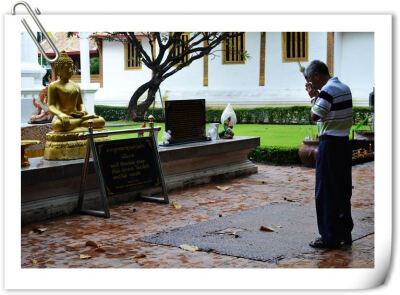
(51, 188)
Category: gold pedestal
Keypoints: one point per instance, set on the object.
(67, 145)
(24, 144)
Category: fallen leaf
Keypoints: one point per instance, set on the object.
(92, 244)
(138, 256)
(265, 228)
(189, 247)
(176, 206)
(100, 250)
(84, 256)
(40, 229)
(230, 231)
(223, 188)
(34, 261)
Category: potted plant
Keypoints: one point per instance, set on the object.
(308, 150)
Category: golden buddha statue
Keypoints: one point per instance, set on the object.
(65, 100)
(66, 103)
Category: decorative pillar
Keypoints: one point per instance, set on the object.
(330, 52)
(31, 76)
(262, 59)
(205, 66)
(85, 57)
(154, 52)
(99, 44)
(88, 90)
(53, 72)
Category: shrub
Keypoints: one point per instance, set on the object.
(276, 155)
(94, 66)
(111, 113)
(157, 113)
(260, 115)
(360, 113)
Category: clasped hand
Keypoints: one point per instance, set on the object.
(311, 91)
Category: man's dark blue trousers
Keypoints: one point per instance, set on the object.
(333, 189)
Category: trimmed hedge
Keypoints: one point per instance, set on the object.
(261, 115)
(111, 113)
(266, 115)
(276, 155)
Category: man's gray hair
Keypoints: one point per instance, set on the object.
(316, 66)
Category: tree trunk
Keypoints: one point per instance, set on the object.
(137, 111)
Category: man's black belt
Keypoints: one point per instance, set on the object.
(333, 138)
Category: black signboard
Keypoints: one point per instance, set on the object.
(128, 165)
(186, 119)
(123, 166)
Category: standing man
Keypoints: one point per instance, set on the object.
(332, 109)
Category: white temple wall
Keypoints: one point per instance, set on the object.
(356, 64)
(239, 84)
(119, 84)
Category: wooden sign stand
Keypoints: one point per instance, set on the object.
(91, 147)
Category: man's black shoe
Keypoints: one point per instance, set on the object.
(348, 240)
(320, 244)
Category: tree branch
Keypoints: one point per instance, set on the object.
(152, 43)
(162, 49)
(130, 36)
(162, 65)
(177, 60)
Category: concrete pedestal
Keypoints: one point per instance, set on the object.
(51, 188)
(88, 93)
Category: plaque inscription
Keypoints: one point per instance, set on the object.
(128, 165)
(186, 119)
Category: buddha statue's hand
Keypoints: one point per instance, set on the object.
(78, 114)
(88, 116)
(65, 121)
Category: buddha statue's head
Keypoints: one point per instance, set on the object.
(64, 66)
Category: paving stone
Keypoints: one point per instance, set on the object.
(122, 231)
(292, 226)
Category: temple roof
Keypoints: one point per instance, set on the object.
(69, 44)
(105, 35)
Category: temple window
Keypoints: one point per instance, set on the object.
(133, 60)
(233, 49)
(180, 48)
(294, 46)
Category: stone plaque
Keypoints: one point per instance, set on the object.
(186, 119)
(128, 165)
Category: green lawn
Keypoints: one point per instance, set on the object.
(270, 135)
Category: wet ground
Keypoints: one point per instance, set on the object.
(81, 241)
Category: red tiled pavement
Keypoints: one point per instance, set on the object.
(64, 239)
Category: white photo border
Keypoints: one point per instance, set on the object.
(256, 279)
